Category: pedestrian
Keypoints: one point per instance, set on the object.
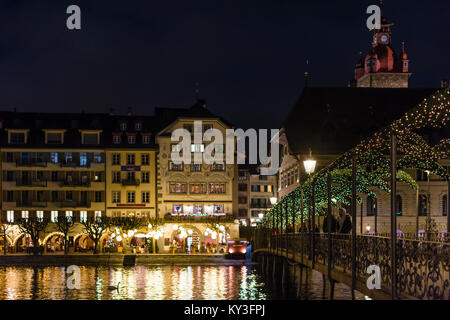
(334, 223)
(345, 222)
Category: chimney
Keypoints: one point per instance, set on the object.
(444, 83)
(129, 111)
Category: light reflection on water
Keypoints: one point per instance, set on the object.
(197, 282)
(139, 283)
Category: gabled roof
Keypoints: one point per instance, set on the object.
(334, 120)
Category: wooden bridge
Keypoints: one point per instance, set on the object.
(422, 268)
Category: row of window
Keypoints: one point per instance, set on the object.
(25, 214)
(54, 176)
(130, 176)
(54, 196)
(80, 158)
(289, 178)
(131, 138)
(88, 138)
(198, 147)
(198, 209)
(195, 167)
(262, 188)
(254, 213)
(131, 197)
(197, 188)
(422, 210)
(131, 159)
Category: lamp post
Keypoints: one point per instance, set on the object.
(310, 166)
(273, 202)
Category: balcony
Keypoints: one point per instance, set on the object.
(75, 183)
(31, 183)
(31, 204)
(74, 164)
(200, 219)
(131, 182)
(260, 205)
(31, 163)
(74, 204)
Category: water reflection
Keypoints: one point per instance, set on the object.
(243, 282)
(139, 282)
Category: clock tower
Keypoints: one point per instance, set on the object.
(382, 67)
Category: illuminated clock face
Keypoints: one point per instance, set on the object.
(384, 38)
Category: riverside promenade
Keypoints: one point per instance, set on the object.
(116, 259)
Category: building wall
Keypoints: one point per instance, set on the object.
(384, 80)
(260, 200)
(125, 208)
(187, 200)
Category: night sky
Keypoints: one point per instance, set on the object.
(248, 57)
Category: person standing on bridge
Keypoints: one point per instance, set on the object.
(345, 221)
(334, 223)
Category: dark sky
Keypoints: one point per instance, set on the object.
(247, 56)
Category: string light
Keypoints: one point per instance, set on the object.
(373, 163)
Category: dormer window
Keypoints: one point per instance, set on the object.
(123, 126)
(146, 138)
(54, 137)
(90, 137)
(117, 138)
(138, 126)
(131, 138)
(17, 136)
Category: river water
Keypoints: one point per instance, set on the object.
(196, 282)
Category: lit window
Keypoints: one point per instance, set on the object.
(123, 126)
(69, 215)
(138, 126)
(116, 196)
(54, 216)
(40, 215)
(25, 214)
(146, 139)
(98, 214)
(54, 157)
(83, 216)
(117, 139)
(83, 159)
(198, 147)
(10, 216)
(177, 188)
(131, 139)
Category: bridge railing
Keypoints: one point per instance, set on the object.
(423, 267)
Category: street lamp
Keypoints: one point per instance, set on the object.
(310, 164)
(273, 200)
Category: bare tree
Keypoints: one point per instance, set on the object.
(4, 228)
(64, 225)
(33, 227)
(125, 225)
(154, 224)
(95, 228)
